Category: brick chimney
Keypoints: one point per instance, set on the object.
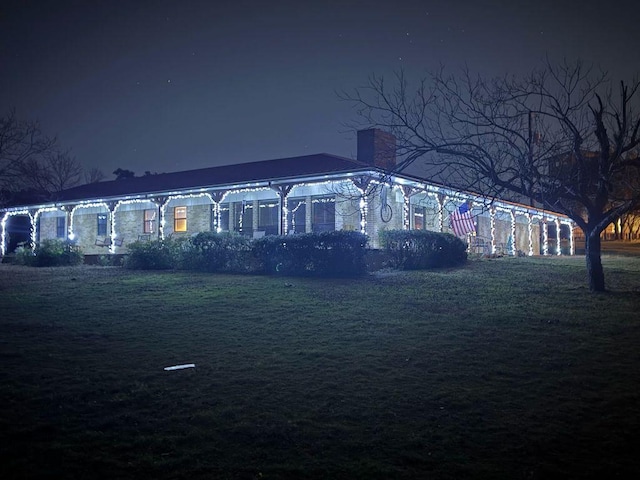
(377, 148)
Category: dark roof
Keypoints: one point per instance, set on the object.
(262, 171)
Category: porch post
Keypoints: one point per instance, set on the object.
(283, 213)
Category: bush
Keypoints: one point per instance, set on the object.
(50, 253)
(421, 249)
(154, 255)
(217, 252)
(328, 254)
(23, 256)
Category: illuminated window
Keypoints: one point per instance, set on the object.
(61, 230)
(418, 217)
(149, 224)
(180, 219)
(102, 224)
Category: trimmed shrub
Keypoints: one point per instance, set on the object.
(23, 256)
(327, 254)
(217, 252)
(422, 249)
(50, 253)
(154, 255)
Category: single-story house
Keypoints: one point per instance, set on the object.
(311, 193)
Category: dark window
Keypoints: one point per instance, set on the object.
(419, 214)
(149, 223)
(243, 218)
(324, 214)
(297, 216)
(102, 224)
(224, 217)
(61, 230)
(268, 217)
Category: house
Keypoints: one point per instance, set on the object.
(311, 193)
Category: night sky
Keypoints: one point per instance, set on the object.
(173, 85)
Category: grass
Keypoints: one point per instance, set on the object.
(507, 368)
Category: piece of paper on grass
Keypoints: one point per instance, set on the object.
(180, 367)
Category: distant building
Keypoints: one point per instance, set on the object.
(311, 193)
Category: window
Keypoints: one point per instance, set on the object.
(180, 219)
(419, 214)
(224, 217)
(297, 216)
(324, 214)
(102, 224)
(243, 217)
(149, 223)
(61, 230)
(268, 217)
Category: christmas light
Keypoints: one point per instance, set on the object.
(530, 232)
(513, 232)
(72, 235)
(441, 212)
(492, 223)
(406, 211)
(5, 219)
(347, 182)
(112, 214)
(363, 209)
(571, 244)
(35, 220)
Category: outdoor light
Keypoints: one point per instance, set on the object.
(82, 205)
(492, 222)
(530, 231)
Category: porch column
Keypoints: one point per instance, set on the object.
(441, 199)
(161, 203)
(217, 198)
(283, 213)
(492, 221)
(361, 184)
(308, 214)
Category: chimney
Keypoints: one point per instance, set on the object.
(377, 148)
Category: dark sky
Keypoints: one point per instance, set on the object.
(169, 85)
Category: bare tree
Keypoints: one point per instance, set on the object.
(54, 171)
(561, 138)
(20, 143)
(94, 175)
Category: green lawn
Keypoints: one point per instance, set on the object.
(506, 368)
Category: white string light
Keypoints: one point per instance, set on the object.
(530, 232)
(492, 223)
(440, 194)
(5, 219)
(72, 235)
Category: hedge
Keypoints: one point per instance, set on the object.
(422, 249)
(327, 254)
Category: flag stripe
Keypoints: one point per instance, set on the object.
(462, 221)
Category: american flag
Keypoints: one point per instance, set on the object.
(462, 221)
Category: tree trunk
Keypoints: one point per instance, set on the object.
(594, 262)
